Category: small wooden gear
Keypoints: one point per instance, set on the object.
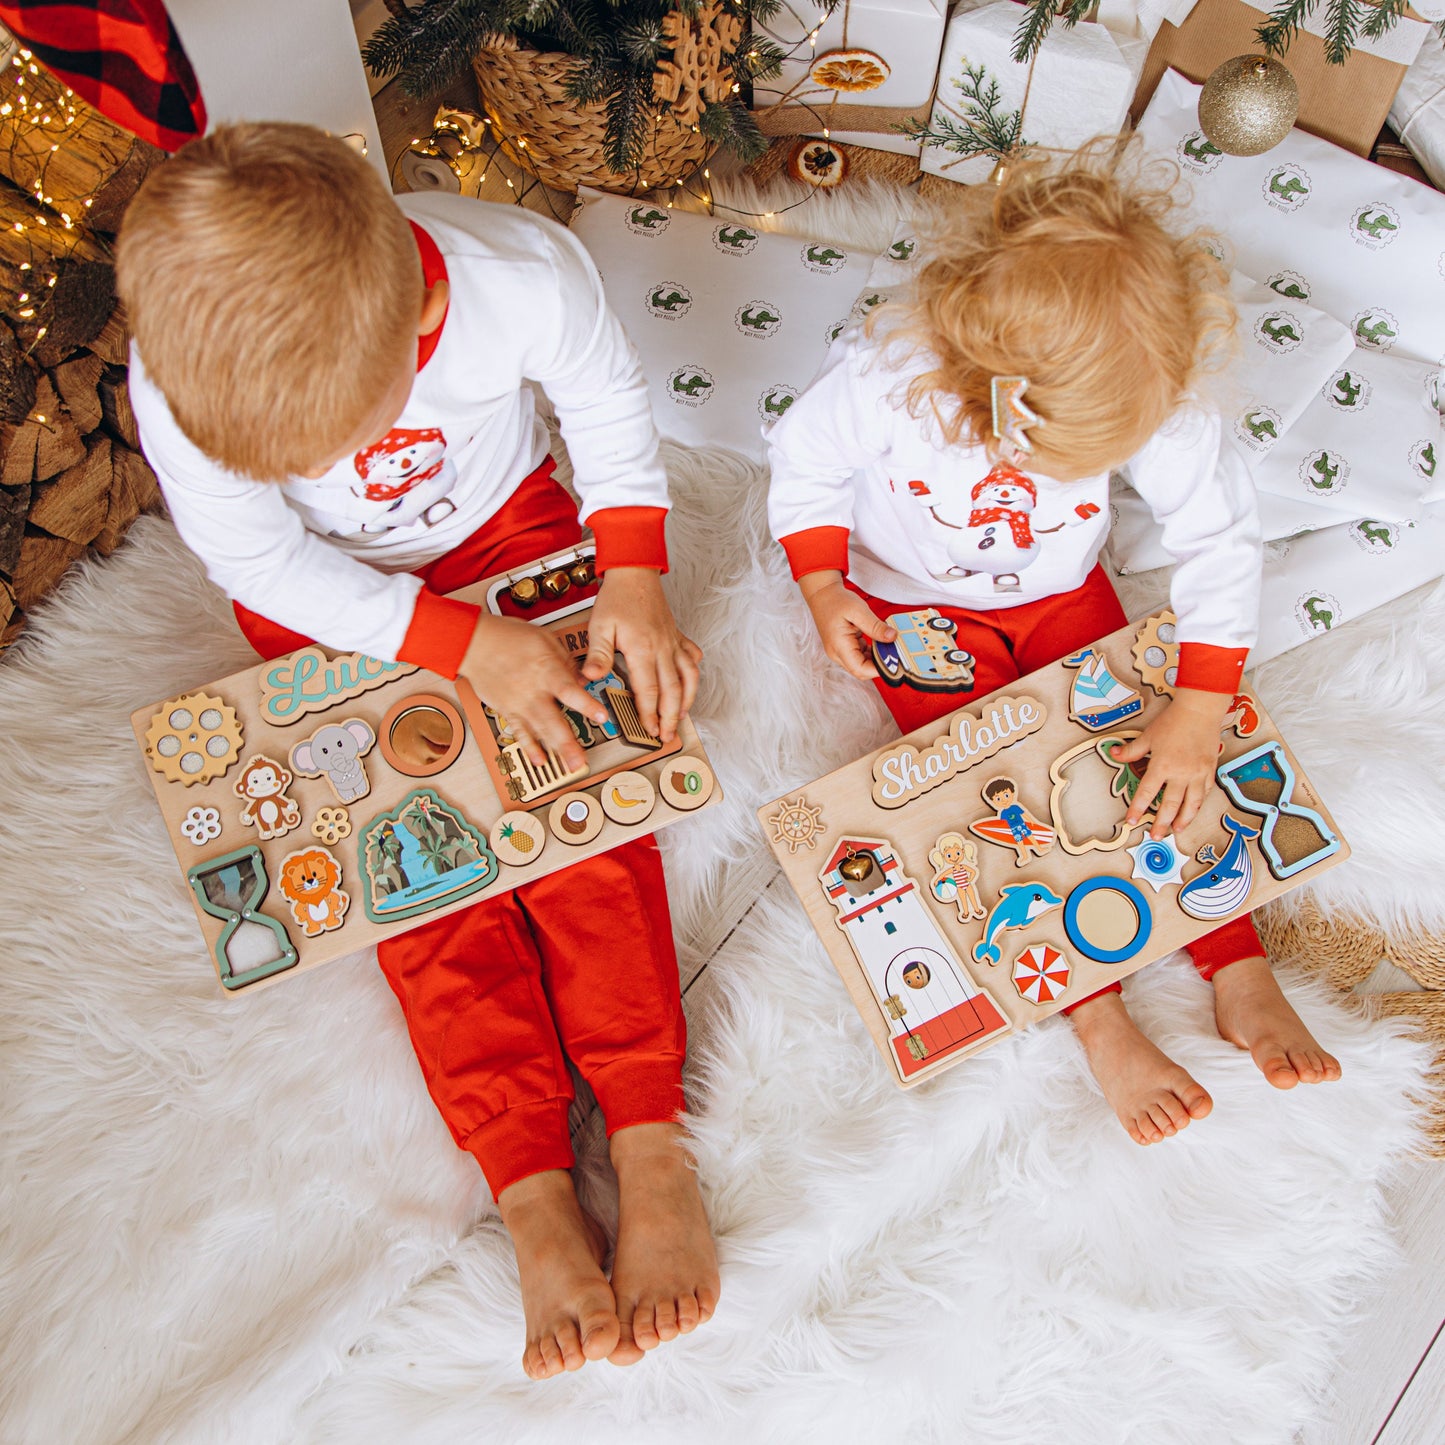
(194, 738)
(819, 163)
(1156, 653)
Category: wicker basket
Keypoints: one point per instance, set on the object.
(524, 93)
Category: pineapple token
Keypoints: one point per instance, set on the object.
(517, 838)
(575, 818)
(628, 798)
(687, 782)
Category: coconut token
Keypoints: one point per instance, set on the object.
(575, 818)
(628, 798)
(518, 838)
(686, 782)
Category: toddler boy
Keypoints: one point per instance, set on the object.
(334, 388)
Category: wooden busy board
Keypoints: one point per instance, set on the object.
(320, 802)
(977, 875)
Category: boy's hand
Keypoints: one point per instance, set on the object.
(844, 622)
(524, 673)
(632, 617)
(1182, 745)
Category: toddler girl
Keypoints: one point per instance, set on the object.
(892, 491)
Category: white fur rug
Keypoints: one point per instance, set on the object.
(238, 1220)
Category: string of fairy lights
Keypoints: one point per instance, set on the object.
(469, 145)
(39, 116)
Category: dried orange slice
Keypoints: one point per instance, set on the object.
(820, 163)
(849, 70)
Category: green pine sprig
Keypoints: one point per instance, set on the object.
(1345, 21)
(986, 130)
(1038, 19)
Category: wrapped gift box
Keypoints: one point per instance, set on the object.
(731, 322)
(1354, 239)
(1345, 103)
(1418, 114)
(1083, 79)
(904, 34)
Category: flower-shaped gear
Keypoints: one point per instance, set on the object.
(332, 825)
(202, 825)
(193, 738)
(1157, 861)
(796, 824)
(1156, 653)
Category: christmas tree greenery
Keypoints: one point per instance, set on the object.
(618, 45)
(985, 129)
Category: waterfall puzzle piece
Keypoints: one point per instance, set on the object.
(930, 1004)
(1019, 904)
(955, 875)
(252, 945)
(1014, 826)
(1223, 887)
(1097, 699)
(1292, 836)
(421, 855)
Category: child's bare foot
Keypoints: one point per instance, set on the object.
(571, 1313)
(1153, 1097)
(664, 1274)
(1252, 1013)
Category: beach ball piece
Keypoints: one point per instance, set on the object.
(1157, 861)
(1248, 105)
(1041, 974)
(202, 825)
(818, 163)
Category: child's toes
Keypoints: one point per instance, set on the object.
(1274, 1064)
(1159, 1117)
(569, 1346)
(689, 1314)
(665, 1315)
(644, 1326)
(1196, 1100)
(600, 1331)
(626, 1351)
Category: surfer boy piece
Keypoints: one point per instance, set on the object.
(333, 388)
(893, 490)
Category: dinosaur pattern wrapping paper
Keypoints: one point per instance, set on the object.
(731, 322)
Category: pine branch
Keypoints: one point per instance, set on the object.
(1038, 17)
(730, 124)
(630, 112)
(985, 130)
(1384, 17)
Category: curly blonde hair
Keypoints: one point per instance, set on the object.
(1069, 274)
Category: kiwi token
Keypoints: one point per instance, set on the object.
(687, 782)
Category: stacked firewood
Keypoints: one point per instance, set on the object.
(71, 474)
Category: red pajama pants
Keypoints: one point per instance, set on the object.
(579, 965)
(1009, 644)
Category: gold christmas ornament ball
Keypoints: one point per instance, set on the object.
(1248, 105)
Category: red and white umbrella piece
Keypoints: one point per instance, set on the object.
(1041, 973)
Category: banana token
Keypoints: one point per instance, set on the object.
(518, 838)
(575, 818)
(627, 798)
(687, 782)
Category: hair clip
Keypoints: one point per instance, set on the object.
(1011, 415)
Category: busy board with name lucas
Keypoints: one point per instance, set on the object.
(321, 801)
(979, 874)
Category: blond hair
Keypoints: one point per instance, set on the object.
(1071, 275)
(271, 285)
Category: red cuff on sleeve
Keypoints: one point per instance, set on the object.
(630, 537)
(439, 632)
(1207, 668)
(817, 549)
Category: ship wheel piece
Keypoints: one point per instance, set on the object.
(796, 824)
(1156, 653)
(193, 738)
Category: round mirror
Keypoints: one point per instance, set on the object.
(422, 735)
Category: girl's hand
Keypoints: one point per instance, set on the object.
(844, 622)
(1182, 745)
(632, 617)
